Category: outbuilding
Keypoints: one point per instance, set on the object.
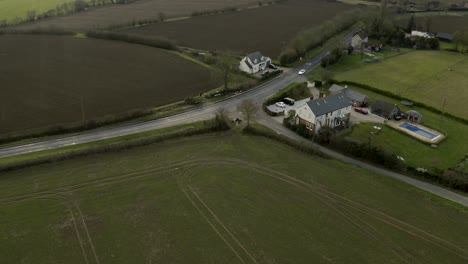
(385, 109)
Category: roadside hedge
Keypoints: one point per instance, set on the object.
(308, 149)
(296, 91)
(215, 125)
(398, 97)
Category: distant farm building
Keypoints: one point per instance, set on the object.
(385, 109)
(358, 39)
(442, 36)
(331, 111)
(254, 63)
(357, 99)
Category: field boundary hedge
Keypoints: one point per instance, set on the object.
(214, 125)
(399, 97)
(307, 149)
(154, 42)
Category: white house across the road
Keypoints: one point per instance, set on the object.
(254, 63)
(358, 39)
(331, 111)
(416, 33)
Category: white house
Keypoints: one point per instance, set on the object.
(332, 111)
(254, 63)
(358, 39)
(415, 33)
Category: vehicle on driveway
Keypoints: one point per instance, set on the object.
(361, 110)
(288, 101)
(280, 104)
(272, 66)
(301, 71)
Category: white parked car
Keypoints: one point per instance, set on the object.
(301, 72)
(280, 104)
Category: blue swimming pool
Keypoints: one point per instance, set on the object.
(418, 130)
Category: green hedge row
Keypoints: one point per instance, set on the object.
(296, 91)
(398, 97)
(217, 124)
(155, 42)
(308, 149)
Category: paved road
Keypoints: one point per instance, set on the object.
(208, 111)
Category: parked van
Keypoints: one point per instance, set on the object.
(288, 101)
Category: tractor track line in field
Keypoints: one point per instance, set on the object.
(77, 232)
(181, 187)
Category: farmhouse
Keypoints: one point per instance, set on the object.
(357, 99)
(332, 111)
(442, 36)
(254, 63)
(385, 109)
(358, 39)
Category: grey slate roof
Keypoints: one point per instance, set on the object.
(384, 108)
(351, 94)
(248, 64)
(335, 88)
(354, 96)
(256, 57)
(328, 104)
(361, 34)
(444, 35)
(414, 113)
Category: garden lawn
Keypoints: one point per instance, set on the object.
(429, 77)
(221, 198)
(448, 154)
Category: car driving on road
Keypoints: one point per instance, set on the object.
(301, 71)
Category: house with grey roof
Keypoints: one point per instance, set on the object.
(385, 109)
(332, 111)
(358, 99)
(254, 62)
(359, 39)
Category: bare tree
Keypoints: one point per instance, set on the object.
(226, 69)
(248, 108)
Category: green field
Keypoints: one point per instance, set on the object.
(224, 198)
(429, 77)
(10, 9)
(448, 154)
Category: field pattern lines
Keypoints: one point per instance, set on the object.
(66, 203)
(375, 214)
(221, 224)
(182, 188)
(96, 183)
(87, 232)
(391, 221)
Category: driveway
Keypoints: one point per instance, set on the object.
(358, 118)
